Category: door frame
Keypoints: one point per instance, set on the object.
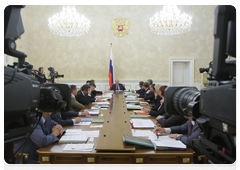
(189, 61)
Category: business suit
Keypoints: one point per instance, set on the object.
(149, 96)
(159, 111)
(84, 99)
(42, 136)
(95, 92)
(75, 105)
(142, 93)
(64, 119)
(172, 120)
(114, 87)
(186, 127)
(140, 90)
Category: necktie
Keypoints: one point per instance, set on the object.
(118, 87)
(191, 128)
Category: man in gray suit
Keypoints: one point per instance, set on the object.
(190, 127)
(45, 134)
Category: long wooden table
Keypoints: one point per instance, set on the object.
(109, 147)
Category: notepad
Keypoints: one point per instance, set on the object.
(87, 119)
(79, 147)
(73, 139)
(98, 121)
(139, 116)
(133, 107)
(140, 112)
(142, 123)
(167, 143)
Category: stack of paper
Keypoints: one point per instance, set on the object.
(79, 147)
(93, 133)
(73, 139)
(133, 107)
(83, 123)
(93, 112)
(102, 104)
(73, 132)
(142, 123)
(166, 143)
(77, 132)
(138, 133)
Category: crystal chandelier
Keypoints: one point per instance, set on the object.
(170, 21)
(68, 23)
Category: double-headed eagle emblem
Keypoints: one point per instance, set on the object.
(120, 26)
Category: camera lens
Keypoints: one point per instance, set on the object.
(182, 97)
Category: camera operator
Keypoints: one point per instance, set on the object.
(41, 80)
(45, 134)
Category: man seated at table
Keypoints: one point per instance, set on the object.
(149, 95)
(117, 86)
(75, 105)
(46, 133)
(167, 120)
(145, 87)
(141, 88)
(84, 95)
(176, 132)
(95, 91)
(65, 118)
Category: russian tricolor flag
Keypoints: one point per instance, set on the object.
(111, 71)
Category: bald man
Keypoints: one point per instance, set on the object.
(117, 86)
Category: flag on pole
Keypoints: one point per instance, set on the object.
(111, 70)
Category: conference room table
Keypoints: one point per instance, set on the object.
(109, 147)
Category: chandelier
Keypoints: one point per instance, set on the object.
(68, 23)
(170, 21)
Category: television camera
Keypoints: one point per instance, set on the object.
(53, 74)
(24, 97)
(214, 107)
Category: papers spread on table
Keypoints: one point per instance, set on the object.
(100, 103)
(73, 139)
(79, 147)
(83, 123)
(86, 119)
(142, 123)
(93, 112)
(166, 143)
(76, 132)
(138, 133)
(133, 107)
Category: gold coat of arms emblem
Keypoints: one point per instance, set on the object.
(120, 26)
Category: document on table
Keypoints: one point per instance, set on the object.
(83, 123)
(166, 141)
(79, 147)
(73, 139)
(92, 133)
(101, 103)
(142, 123)
(96, 126)
(137, 133)
(72, 132)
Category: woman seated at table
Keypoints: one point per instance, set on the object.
(159, 110)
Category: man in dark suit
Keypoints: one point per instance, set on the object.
(95, 92)
(41, 80)
(45, 134)
(141, 87)
(117, 86)
(65, 119)
(84, 95)
(167, 120)
(146, 88)
(149, 95)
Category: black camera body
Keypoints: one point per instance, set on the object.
(214, 107)
(53, 74)
(24, 98)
